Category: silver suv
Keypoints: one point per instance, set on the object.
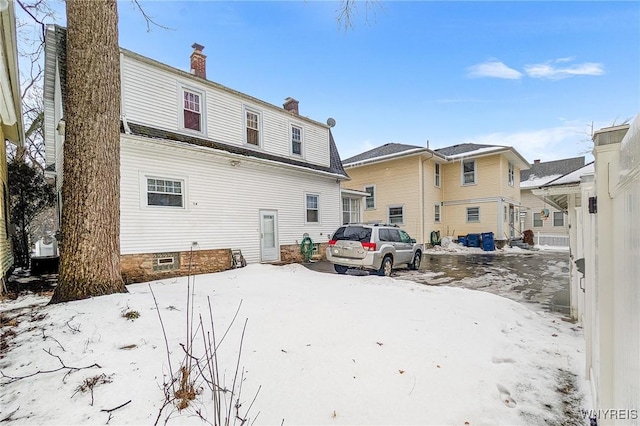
(377, 247)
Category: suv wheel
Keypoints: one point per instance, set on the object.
(340, 269)
(385, 268)
(415, 263)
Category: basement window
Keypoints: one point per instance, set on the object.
(166, 261)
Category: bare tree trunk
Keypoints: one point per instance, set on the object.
(90, 252)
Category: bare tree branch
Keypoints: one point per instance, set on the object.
(149, 19)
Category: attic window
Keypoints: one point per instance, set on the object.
(192, 111)
(252, 120)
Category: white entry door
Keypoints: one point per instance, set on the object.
(269, 248)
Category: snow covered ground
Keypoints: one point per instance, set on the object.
(320, 348)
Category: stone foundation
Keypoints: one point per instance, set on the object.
(291, 253)
(143, 267)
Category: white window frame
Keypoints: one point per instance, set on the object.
(203, 122)
(246, 110)
(373, 197)
(554, 219)
(293, 126)
(395, 206)
(475, 172)
(511, 173)
(505, 210)
(352, 210)
(469, 215)
(437, 213)
(307, 209)
(144, 199)
(537, 217)
(436, 175)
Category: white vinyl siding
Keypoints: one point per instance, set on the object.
(222, 202)
(152, 96)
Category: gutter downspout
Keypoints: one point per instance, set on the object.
(422, 199)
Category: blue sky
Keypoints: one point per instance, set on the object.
(533, 75)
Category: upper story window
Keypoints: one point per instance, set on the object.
(396, 214)
(370, 202)
(512, 180)
(164, 192)
(192, 107)
(473, 214)
(296, 140)
(469, 172)
(252, 123)
(312, 208)
(436, 179)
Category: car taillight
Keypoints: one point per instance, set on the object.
(369, 246)
(332, 243)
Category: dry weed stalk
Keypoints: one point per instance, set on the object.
(200, 371)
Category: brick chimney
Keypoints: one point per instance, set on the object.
(536, 161)
(291, 105)
(198, 61)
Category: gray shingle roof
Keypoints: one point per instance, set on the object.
(550, 168)
(381, 151)
(462, 148)
(154, 133)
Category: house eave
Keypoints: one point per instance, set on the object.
(394, 156)
(231, 156)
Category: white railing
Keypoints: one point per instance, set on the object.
(552, 240)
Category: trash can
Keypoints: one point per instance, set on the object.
(473, 240)
(488, 243)
(462, 240)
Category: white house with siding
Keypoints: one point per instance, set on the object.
(206, 169)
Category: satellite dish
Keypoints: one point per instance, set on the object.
(331, 122)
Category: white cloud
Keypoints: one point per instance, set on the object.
(549, 71)
(494, 69)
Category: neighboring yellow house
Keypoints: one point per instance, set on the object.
(549, 224)
(458, 190)
(11, 128)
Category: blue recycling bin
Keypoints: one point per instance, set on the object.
(488, 243)
(473, 240)
(462, 240)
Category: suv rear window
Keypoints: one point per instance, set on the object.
(353, 233)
